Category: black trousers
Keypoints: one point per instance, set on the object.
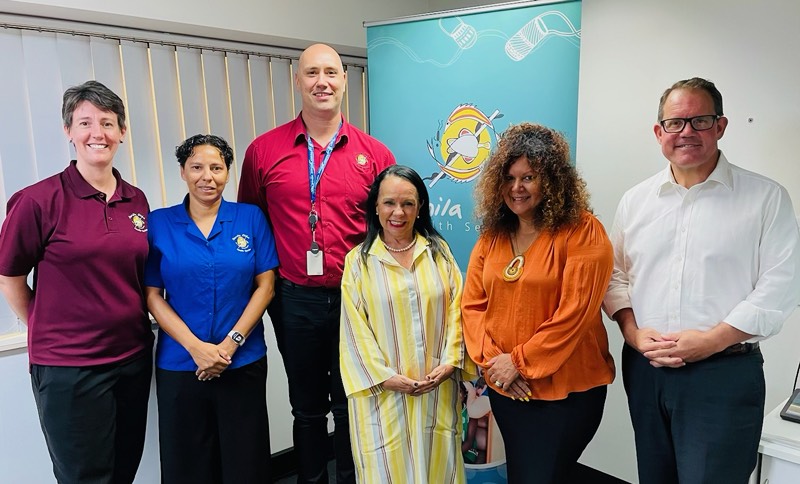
(306, 321)
(214, 431)
(94, 418)
(544, 439)
(697, 424)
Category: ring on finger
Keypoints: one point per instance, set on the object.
(497, 382)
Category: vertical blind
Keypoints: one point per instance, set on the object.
(171, 91)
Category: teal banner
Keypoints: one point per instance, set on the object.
(441, 91)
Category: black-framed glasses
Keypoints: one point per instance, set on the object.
(699, 123)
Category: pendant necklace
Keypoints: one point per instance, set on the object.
(513, 270)
(403, 249)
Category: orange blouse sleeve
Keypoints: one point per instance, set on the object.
(587, 271)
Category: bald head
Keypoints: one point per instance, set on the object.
(317, 52)
(321, 81)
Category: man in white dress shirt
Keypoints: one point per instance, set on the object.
(706, 264)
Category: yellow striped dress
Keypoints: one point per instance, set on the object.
(399, 321)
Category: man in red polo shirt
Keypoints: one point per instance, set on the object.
(311, 177)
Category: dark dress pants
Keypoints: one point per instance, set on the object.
(94, 418)
(544, 439)
(306, 321)
(214, 431)
(700, 423)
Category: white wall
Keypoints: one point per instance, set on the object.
(748, 48)
(630, 52)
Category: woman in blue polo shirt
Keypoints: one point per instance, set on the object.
(215, 260)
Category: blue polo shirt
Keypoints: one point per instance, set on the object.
(209, 281)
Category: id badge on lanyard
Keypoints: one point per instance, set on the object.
(314, 263)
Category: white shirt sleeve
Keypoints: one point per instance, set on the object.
(617, 296)
(777, 289)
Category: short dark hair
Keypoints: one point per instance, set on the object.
(422, 224)
(693, 83)
(185, 150)
(96, 93)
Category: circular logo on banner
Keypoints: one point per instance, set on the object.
(464, 143)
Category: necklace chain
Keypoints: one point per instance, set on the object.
(403, 249)
(514, 246)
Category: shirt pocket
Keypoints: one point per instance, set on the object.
(358, 180)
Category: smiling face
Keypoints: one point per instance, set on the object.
(521, 189)
(690, 153)
(397, 207)
(205, 175)
(321, 80)
(95, 133)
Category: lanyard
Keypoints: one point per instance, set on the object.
(313, 182)
(314, 177)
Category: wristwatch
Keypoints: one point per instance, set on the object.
(237, 337)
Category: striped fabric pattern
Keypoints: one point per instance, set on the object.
(399, 321)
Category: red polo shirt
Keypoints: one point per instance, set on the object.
(88, 261)
(275, 177)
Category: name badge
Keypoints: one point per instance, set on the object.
(314, 263)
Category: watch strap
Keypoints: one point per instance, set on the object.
(237, 337)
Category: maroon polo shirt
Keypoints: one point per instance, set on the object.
(275, 177)
(88, 260)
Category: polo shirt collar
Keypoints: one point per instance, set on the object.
(299, 130)
(226, 212)
(722, 175)
(83, 189)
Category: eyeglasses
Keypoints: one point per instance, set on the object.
(699, 123)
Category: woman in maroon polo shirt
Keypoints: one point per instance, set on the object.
(83, 232)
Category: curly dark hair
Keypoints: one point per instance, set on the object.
(564, 195)
(186, 149)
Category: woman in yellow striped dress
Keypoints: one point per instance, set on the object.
(401, 346)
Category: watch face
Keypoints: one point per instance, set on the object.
(237, 338)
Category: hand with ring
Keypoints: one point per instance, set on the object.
(501, 369)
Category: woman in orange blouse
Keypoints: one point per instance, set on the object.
(531, 304)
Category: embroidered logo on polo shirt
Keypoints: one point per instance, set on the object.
(242, 242)
(361, 159)
(138, 221)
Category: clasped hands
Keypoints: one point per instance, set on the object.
(673, 350)
(502, 372)
(212, 359)
(404, 384)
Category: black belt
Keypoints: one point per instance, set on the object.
(738, 349)
(288, 283)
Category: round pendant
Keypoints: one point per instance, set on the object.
(513, 270)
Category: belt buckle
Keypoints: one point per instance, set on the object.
(740, 348)
(737, 349)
